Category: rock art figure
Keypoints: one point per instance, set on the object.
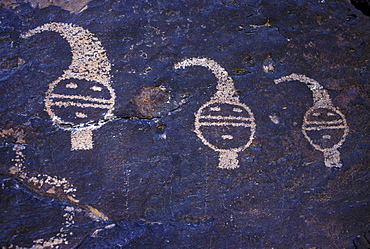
(223, 123)
(324, 126)
(82, 99)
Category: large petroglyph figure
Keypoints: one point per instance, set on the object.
(82, 99)
(223, 123)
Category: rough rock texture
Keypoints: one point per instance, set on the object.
(73, 6)
(149, 181)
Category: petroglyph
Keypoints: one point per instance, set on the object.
(82, 139)
(82, 99)
(18, 134)
(42, 181)
(324, 126)
(224, 124)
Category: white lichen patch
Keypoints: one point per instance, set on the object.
(274, 119)
(268, 68)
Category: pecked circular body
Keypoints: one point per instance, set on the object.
(225, 126)
(325, 127)
(79, 103)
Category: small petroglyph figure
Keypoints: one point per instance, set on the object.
(223, 123)
(324, 126)
(81, 99)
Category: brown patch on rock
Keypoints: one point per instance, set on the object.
(151, 102)
(12, 62)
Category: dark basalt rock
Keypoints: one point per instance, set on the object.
(149, 181)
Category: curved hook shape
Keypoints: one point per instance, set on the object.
(320, 95)
(83, 87)
(324, 126)
(89, 59)
(225, 84)
(223, 123)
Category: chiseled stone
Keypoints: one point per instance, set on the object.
(184, 124)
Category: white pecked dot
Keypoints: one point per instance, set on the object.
(96, 88)
(72, 85)
(80, 115)
(227, 137)
(215, 109)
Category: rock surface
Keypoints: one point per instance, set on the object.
(148, 180)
